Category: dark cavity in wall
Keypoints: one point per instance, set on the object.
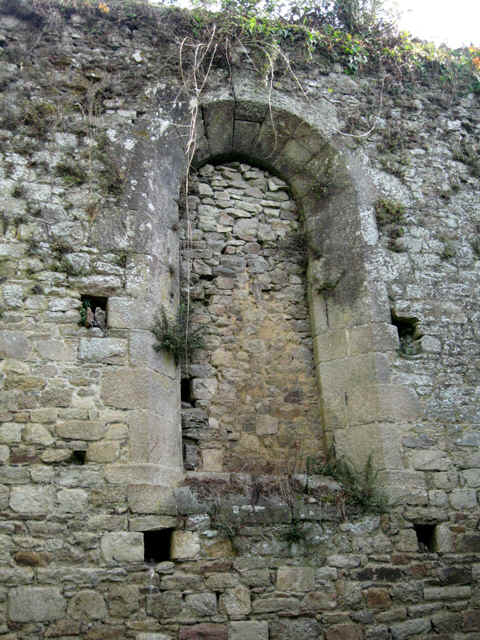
(78, 457)
(186, 391)
(425, 537)
(409, 334)
(93, 312)
(157, 545)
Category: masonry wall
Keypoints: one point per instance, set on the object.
(103, 534)
(254, 381)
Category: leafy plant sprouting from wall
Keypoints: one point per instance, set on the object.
(175, 335)
(360, 486)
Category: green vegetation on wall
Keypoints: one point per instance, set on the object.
(358, 34)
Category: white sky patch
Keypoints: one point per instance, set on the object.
(455, 24)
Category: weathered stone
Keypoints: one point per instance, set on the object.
(343, 561)
(469, 544)
(444, 622)
(205, 631)
(31, 559)
(32, 500)
(144, 498)
(409, 628)
(14, 344)
(447, 593)
(108, 350)
(11, 433)
(236, 602)
(316, 601)
(35, 604)
(104, 451)
(296, 579)
(266, 425)
(344, 632)
(38, 434)
(463, 499)
(185, 545)
(87, 605)
(472, 477)
(430, 460)
(81, 430)
(72, 501)
(298, 628)
(4, 496)
(165, 605)
(201, 604)
(251, 630)
(378, 599)
(151, 523)
(122, 547)
(274, 605)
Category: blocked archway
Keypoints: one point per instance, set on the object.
(250, 399)
(363, 412)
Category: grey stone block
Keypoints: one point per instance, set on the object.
(35, 604)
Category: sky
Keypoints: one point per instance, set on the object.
(453, 22)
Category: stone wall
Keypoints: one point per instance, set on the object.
(103, 535)
(245, 258)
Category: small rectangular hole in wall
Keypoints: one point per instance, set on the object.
(425, 537)
(157, 545)
(93, 312)
(409, 334)
(78, 457)
(186, 391)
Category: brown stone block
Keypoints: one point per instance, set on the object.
(219, 549)
(204, 631)
(105, 632)
(66, 627)
(471, 620)
(32, 559)
(344, 632)
(316, 601)
(378, 599)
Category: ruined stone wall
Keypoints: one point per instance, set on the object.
(102, 535)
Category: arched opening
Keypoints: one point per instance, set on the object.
(363, 412)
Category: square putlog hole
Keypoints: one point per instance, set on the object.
(93, 312)
(425, 537)
(78, 457)
(157, 545)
